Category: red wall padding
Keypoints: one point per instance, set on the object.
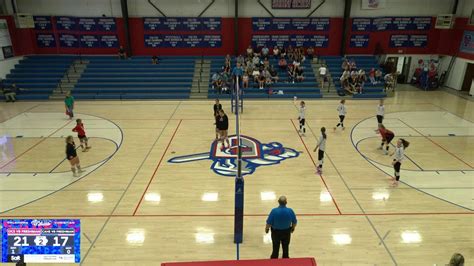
(445, 42)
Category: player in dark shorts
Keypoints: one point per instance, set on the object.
(81, 134)
(387, 137)
(217, 108)
(72, 157)
(223, 126)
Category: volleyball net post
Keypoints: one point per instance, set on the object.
(239, 180)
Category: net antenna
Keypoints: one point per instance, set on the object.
(239, 180)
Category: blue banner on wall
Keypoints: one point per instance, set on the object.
(359, 41)
(391, 23)
(66, 23)
(87, 24)
(45, 40)
(109, 41)
(418, 41)
(361, 24)
(182, 24)
(42, 23)
(399, 40)
(295, 40)
(182, 41)
(68, 40)
(106, 24)
(277, 24)
(261, 40)
(90, 41)
(467, 42)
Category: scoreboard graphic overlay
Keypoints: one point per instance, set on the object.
(41, 240)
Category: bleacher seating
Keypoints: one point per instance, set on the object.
(38, 75)
(106, 77)
(363, 62)
(306, 89)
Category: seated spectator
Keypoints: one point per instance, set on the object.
(216, 76)
(219, 85)
(268, 77)
(245, 80)
(256, 61)
(121, 53)
(378, 75)
(291, 74)
(261, 80)
(249, 51)
(154, 60)
(241, 60)
(372, 76)
(296, 63)
(10, 92)
(255, 74)
(276, 52)
(290, 53)
(299, 74)
(345, 64)
(352, 65)
(283, 52)
(226, 69)
(273, 74)
(266, 63)
(282, 64)
(310, 53)
(238, 71)
(265, 51)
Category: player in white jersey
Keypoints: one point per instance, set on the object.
(380, 112)
(301, 118)
(322, 147)
(342, 110)
(398, 156)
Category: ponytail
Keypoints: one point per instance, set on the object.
(405, 143)
(323, 132)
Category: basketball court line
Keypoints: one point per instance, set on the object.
(428, 138)
(156, 169)
(38, 143)
(232, 215)
(129, 184)
(26, 111)
(419, 190)
(447, 111)
(357, 202)
(314, 164)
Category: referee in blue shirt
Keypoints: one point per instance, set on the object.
(282, 221)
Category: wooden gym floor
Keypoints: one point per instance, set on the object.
(138, 208)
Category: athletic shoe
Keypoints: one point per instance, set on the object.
(343, 128)
(75, 175)
(81, 171)
(380, 148)
(385, 152)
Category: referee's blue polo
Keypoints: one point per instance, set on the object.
(281, 218)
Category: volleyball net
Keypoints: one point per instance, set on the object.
(237, 103)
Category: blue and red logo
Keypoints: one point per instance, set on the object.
(254, 155)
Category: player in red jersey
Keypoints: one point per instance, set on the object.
(387, 137)
(81, 134)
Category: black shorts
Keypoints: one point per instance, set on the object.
(223, 129)
(380, 119)
(396, 166)
(302, 121)
(389, 138)
(341, 118)
(82, 138)
(320, 155)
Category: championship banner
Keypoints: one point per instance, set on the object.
(362, 24)
(45, 40)
(68, 40)
(293, 4)
(42, 23)
(106, 24)
(87, 24)
(182, 24)
(90, 41)
(359, 41)
(109, 41)
(66, 23)
(182, 41)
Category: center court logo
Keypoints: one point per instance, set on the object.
(254, 154)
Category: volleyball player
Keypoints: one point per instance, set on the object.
(398, 156)
(217, 108)
(223, 126)
(387, 137)
(342, 110)
(72, 157)
(81, 134)
(380, 112)
(322, 146)
(301, 118)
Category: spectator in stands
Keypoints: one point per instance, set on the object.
(322, 74)
(296, 62)
(255, 74)
(261, 80)
(345, 64)
(310, 52)
(282, 64)
(121, 53)
(238, 71)
(10, 92)
(282, 221)
(216, 76)
(241, 60)
(352, 65)
(266, 63)
(227, 60)
(154, 60)
(378, 76)
(283, 51)
(299, 73)
(372, 76)
(256, 61)
(276, 52)
(291, 74)
(290, 52)
(456, 260)
(245, 80)
(226, 69)
(265, 52)
(249, 51)
(274, 74)
(219, 85)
